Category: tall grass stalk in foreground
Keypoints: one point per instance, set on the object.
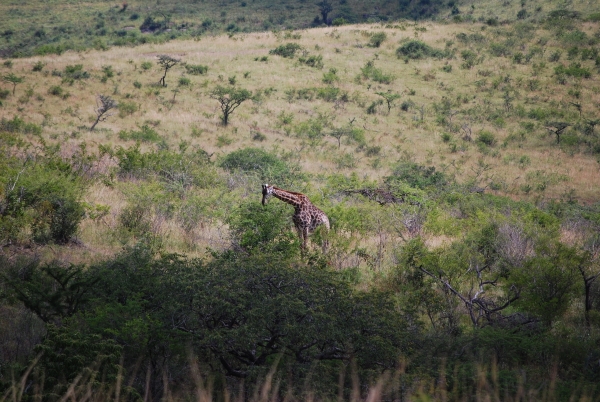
(397, 386)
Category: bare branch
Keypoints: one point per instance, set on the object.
(104, 104)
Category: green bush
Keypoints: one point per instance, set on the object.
(500, 49)
(18, 125)
(574, 70)
(127, 108)
(56, 90)
(59, 220)
(312, 61)
(377, 39)
(258, 229)
(144, 134)
(38, 66)
(539, 113)
(73, 73)
(415, 49)
(43, 50)
(416, 176)
(267, 166)
(328, 94)
(487, 138)
(547, 281)
(43, 204)
(136, 219)
(288, 50)
(372, 109)
(131, 161)
(196, 69)
(184, 82)
(371, 72)
(311, 129)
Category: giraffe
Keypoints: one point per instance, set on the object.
(306, 218)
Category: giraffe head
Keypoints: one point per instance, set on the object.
(267, 191)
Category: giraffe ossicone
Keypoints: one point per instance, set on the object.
(307, 217)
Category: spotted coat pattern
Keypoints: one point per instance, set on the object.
(307, 217)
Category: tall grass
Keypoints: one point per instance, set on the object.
(399, 385)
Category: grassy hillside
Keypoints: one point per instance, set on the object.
(52, 27)
(458, 160)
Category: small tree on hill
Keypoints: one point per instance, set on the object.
(104, 105)
(166, 62)
(325, 8)
(13, 79)
(557, 128)
(229, 98)
(389, 97)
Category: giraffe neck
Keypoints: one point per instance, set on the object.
(288, 197)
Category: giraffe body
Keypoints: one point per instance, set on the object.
(307, 217)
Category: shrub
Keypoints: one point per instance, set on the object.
(539, 113)
(135, 219)
(288, 50)
(146, 65)
(331, 76)
(372, 109)
(55, 90)
(73, 73)
(377, 39)
(372, 72)
(184, 82)
(267, 166)
(38, 66)
(555, 56)
(406, 105)
(311, 129)
(144, 134)
(416, 176)
(108, 71)
(486, 138)
(127, 108)
(574, 70)
(416, 49)
(312, 61)
(196, 69)
(131, 161)
(152, 25)
(469, 58)
(328, 94)
(46, 205)
(18, 125)
(59, 220)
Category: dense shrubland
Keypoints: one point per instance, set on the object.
(459, 176)
(505, 291)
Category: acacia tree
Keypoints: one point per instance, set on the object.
(229, 99)
(557, 128)
(166, 62)
(104, 105)
(389, 98)
(13, 79)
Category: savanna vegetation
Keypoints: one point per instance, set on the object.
(454, 148)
